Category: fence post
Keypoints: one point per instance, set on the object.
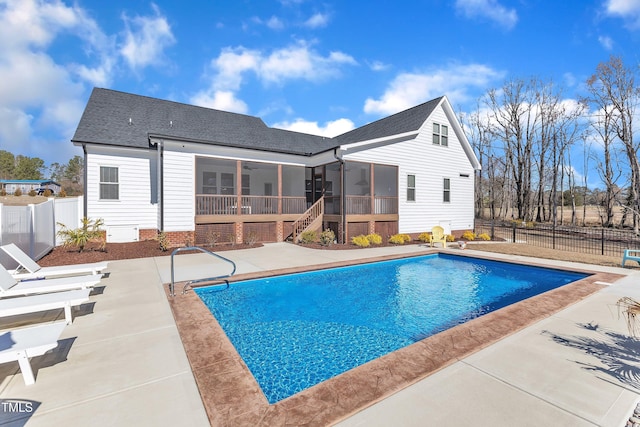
(32, 231)
(514, 232)
(602, 242)
(553, 235)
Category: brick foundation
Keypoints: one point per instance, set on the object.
(177, 239)
(148, 234)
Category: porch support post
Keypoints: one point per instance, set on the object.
(239, 187)
(371, 187)
(279, 231)
(279, 191)
(239, 231)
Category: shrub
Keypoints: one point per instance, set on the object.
(360, 241)
(212, 237)
(231, 238)
(374, 238)
(47, 193)
(251, 238)
(32, 193)
(450, 238)
(162, 241)
(397, 239)
(62, 193)
(424, 237)
(3, 192)
(18, 192)
(484, 236)
(327, 237)
(308, 237)
(406, 238)
(79, 237)
(468, 235)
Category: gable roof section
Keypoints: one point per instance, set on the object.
(127, 120)
(396, 124)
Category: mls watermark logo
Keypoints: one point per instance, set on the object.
(17, 411)
(16, 406)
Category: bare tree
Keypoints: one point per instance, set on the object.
(513, 123)
(613, 94)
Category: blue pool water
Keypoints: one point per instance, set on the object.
(297, 330)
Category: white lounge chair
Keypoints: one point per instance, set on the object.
(29, 269)
(43, 302)
(10, 287)
(21, 344)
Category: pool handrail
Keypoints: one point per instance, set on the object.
(208, 279)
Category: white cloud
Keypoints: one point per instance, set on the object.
(330, 129)
(629, 10)
(606, 42)
(378, 66)
(488, 9)
(15, 129)
(43, 97)
(409, 89)
(220, 100)
(299, 61)
(319, 20)
(275, 23)
(146, 39)
(569, 79)
(295, 62)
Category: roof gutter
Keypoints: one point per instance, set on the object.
(159, 182)
(337, 153)
(85, 183)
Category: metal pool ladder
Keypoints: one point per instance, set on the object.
(208, 279)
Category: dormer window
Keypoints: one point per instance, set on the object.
(440, 134)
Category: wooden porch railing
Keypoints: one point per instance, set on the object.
(309, 218)
(217, 204)
(364, 205)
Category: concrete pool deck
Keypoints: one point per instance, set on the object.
(122, 362)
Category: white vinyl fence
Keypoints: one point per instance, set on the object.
(33, 228)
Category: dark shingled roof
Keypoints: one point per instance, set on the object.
(402, 122)
(123, 119)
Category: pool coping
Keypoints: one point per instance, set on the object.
(231, 395)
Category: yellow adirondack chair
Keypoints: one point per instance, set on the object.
(437, 235)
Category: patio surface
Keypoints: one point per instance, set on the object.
(122, 361)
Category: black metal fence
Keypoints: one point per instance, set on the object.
(597, 241)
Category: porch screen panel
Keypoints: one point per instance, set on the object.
(385, 189)
(332, 188)
(215, 176)
(293, 189)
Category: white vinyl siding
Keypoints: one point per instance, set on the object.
(430, 164)
(179, 191)
(133, 206)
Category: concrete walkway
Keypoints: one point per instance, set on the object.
(122, 362)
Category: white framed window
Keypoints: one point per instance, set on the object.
(440, 134)
(109, 184)
(411, 188)
(446, 190)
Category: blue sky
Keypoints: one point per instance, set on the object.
(319, 67)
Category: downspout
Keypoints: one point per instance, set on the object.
(85, 182)
(159, 186)
(343, 197)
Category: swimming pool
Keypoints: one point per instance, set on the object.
(297, 330)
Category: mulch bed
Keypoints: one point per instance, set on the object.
(116, 251)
